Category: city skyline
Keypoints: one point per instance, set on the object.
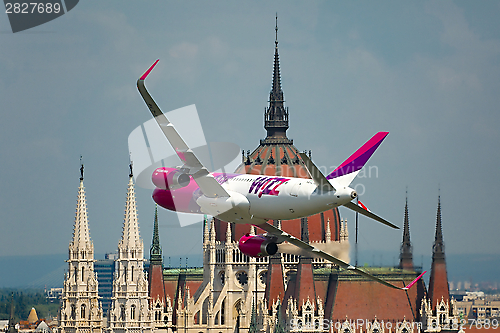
(423, 72)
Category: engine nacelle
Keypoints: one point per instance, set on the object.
(170, 179)
(257, 246)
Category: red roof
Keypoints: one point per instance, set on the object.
(156, 286)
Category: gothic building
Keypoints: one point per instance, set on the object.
(235, 292)
(438, 311)
(130, 300)
(81, 310)
(289, 291)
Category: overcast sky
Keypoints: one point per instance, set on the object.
(428, 72)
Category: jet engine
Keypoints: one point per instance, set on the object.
(257, 246)
(170, 179)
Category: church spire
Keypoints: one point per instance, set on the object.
(276, 115)
(438, 247)
(438, 281)
(406, 254)
(155, 252)
(81, 237)
(130, 234)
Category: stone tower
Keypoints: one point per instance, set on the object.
(81, 310)
(130, 305)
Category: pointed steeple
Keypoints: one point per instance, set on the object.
(155, 251)
(276, 115)
(130, 299)
(406, 253)
(438, 247)
(81, 237)
(130, 234)
(81, 287)
(438, 282)
(253, 320)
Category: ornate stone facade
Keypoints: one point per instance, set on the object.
(130, 310)
(81, 310)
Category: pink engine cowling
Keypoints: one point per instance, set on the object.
(257, 246)
(170, 178)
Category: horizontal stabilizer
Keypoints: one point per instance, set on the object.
(283, 236)
(367, 213)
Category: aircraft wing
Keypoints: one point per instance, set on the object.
(283, 236)
(207, 183)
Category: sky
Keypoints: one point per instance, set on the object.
(427, 72)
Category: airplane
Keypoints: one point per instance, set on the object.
(257, 199)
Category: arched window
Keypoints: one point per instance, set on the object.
(196, 318)
(82, 272)
(73, 311)
(132, 312)
(223, 312)
(204, 313)
(82, 311)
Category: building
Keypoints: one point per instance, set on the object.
(81, 310)
(478, 306)
(234, 292)
(105, 270)
(129, 303)
(284, 292)
(438, 311)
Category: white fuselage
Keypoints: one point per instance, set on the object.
(256, 197)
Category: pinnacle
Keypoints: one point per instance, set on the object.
(81, 237)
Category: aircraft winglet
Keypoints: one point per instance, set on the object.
(207, 183)
(143, 77)
(414, 281)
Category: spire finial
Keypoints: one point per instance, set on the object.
(81, 167)
(276, 28)
(130, 165)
